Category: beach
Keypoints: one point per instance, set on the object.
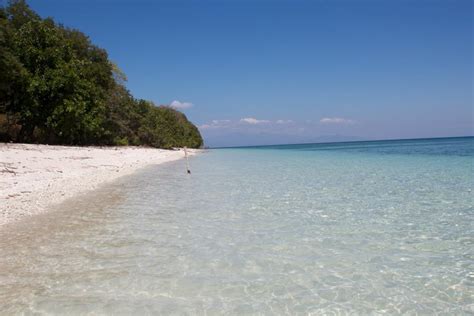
(36, 177)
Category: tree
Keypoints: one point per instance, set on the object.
(57, 87)
(59, 101)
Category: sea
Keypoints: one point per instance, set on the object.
(356, 228)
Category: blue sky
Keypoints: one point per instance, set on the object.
(260, 72)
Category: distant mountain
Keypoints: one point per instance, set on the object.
(241, 139)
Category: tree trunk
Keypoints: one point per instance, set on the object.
(26, 133)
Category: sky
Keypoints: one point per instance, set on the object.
(271, 72)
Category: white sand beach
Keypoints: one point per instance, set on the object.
(35, 177)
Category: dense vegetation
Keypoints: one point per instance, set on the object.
(57, 87)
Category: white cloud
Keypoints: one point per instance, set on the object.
(214, 124)
(284, 121)
(336, 120)
(181, 105)
(217, 122)
(204, 126)
(239, 124)
(253, 121)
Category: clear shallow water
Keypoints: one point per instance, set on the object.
(322, 229)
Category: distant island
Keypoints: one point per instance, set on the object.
(56, 87)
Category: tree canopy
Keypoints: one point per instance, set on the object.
(57, 87)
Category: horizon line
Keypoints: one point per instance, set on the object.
(339, 142)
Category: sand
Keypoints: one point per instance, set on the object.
(35, 177)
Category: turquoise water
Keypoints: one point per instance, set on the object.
(352, 228)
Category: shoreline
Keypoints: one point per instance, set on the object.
(33, 178)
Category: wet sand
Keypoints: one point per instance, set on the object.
(33, 178)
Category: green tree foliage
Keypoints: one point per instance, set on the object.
(173, 127)
(57, 87)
